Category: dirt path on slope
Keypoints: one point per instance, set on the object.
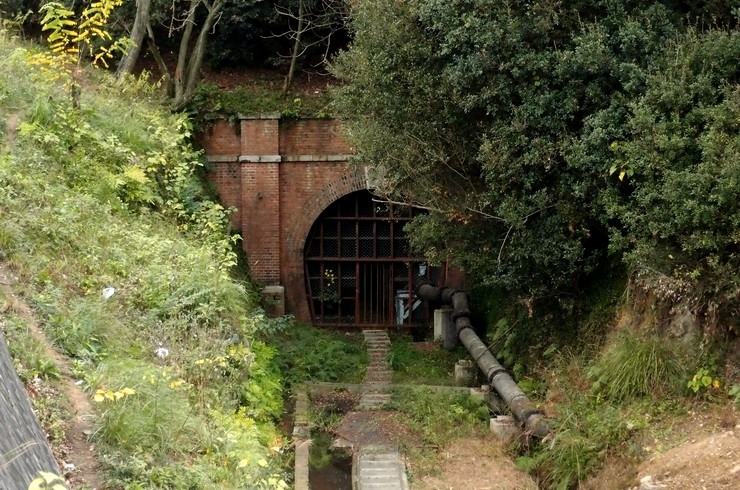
(83, 469)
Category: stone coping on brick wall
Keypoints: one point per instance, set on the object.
(277, 115)
(222, 158)
(276, 158)
(274, 115)
(260, 158)
(316, 158)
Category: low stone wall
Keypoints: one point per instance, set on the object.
(302, 441)
(24, 450)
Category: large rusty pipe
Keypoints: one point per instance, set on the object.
(531, 418)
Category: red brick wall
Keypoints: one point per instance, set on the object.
(222, 145)
(226, 175)
(221, 138)
(312, 137)
(260, 136)
(280, 176)
(260, 213)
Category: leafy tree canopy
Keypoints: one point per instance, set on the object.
(543, 135)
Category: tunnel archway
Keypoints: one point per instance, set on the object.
(359, 268)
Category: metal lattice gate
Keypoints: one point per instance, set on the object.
(359, 268)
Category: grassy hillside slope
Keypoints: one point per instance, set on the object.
(125, 261)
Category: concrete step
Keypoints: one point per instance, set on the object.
(381, 371)
(372, 405)
(380, 468)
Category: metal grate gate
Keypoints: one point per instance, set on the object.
(359, 268)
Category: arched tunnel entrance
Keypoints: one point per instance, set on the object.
(359, 268)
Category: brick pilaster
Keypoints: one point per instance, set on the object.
(260, 205)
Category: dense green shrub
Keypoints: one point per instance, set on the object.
(544, 137)
(500, 116)
(676, 215)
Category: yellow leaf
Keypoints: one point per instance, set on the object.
(128, 391)
(136, 173)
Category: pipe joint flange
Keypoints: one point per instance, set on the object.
(457, 314)
(524, 416)
(495, 371)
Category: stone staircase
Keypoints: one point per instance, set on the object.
(380, 468)
(378, 374)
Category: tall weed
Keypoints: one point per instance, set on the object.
(636, 364)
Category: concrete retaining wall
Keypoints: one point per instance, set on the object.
(24, 450)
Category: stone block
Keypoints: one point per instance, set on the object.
(505, 428)
(465, 372)
(273, 298)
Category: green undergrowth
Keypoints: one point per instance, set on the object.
(604, 403)
(211, 102)
(422, 363)
(30, 358)
(126, 260)
(524, 332)
(608, 392)
(438, 417)
(309, 354)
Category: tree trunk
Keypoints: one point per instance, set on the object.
(196, 57)
(126, 66)
(182, 64)
(169, 84)
(296, 46)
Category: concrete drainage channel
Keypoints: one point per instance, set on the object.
(374, 466)
(378, 467)
(381, 466)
